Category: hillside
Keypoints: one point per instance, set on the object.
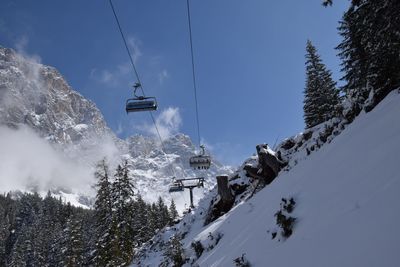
(345, 212)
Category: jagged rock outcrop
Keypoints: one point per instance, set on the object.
(38, 96)
(268, 167)
(269, 163)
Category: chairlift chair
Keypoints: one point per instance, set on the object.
(201, 161)
(176, 186)
(140, 103)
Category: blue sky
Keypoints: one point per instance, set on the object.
(249, 57)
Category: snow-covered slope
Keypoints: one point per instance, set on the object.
(346, 210)
(51, 137)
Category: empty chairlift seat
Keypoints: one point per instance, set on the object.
(200, 162)
(176, 187)
(141, 104)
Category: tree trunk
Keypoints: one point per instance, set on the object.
(223, 189)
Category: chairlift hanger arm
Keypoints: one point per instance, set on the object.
(136, 86)
(190, 179)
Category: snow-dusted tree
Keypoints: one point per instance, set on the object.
(4, 232)
(370, 51)
(153, 219)
(72, 243)
(321, 100)
(103, 215)
(123, 226)
(34, 231)
(162, 213)
(173, 213)
(175, 252)
(141, 222)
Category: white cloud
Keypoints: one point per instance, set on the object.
(121, 73)
(134, 47)
(27, 161)
(120, 128)
(21, 46)
(168, 122)
(106, 76)
(112, 77)
(162, 76)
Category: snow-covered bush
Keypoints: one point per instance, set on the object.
(175, 252)
(241, 261)
(283, 219)
(198, 248)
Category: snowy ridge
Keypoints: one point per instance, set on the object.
(344, 196)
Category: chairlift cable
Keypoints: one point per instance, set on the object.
(193, 72)
(141, 85)
(200, 161)
(126, 45)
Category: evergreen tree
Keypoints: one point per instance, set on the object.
(34, 235)
(4, 232)
(141, 221)
(162, 214)
(175, 252)
(72, 243)
(369, 52)
(321, 101)
(103, 215)
(173, 213)
(48, 231)
(123, 228)
(152, 219)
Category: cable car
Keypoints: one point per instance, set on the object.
(176, 186)
(201, 161)
(140, 103)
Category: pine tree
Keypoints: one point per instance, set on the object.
(152, 219)
(103, 215)
(175, 252)
(321, 101)
(34, 235)
(48, 232)
(72, 243)
(4, 233)
(173, 213)
(141, 221)
(122, 195)
(162, 214)
(353, 52)
(369, 52)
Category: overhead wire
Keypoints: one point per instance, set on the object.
(141, 85)
(193, 72)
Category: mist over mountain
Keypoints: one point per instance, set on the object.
(51, 137)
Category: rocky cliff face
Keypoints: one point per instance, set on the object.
(38, 96)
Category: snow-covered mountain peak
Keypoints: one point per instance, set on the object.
(38, 96)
